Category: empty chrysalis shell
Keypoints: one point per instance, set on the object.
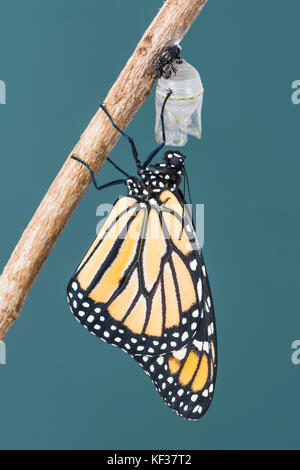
(183, 109)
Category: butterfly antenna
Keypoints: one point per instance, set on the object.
(183, 208)
(157, 149)
(189, 191)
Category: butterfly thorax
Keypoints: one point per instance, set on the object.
(156, 178)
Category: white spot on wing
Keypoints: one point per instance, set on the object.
(179, 354)
(199, 289)
(184, 336)
(198, 344)
(210, 329)
(193, 264)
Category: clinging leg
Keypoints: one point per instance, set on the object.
(131, 141)
(98, 187)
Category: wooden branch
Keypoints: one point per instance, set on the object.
(124, 99)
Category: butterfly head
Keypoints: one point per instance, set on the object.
(174, 159)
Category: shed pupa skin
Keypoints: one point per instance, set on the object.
(183, 108)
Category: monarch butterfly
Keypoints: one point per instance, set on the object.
(142, 286)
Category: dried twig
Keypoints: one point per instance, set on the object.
(124, 99)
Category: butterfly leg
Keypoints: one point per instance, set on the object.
(130, 140)
(98, 187)
(157, 149)
(117, 167)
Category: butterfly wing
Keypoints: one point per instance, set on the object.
(185, 378)
(137, 287)
(142, 286)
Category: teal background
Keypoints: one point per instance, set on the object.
(62, 388)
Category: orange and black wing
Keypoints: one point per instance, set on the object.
(185, 378)
(138, 287)
(142, 286)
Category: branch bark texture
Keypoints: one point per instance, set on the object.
(123, 100)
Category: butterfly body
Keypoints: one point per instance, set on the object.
(156, 178)
(142, 285)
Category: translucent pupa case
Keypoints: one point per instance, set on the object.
(183, 108)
